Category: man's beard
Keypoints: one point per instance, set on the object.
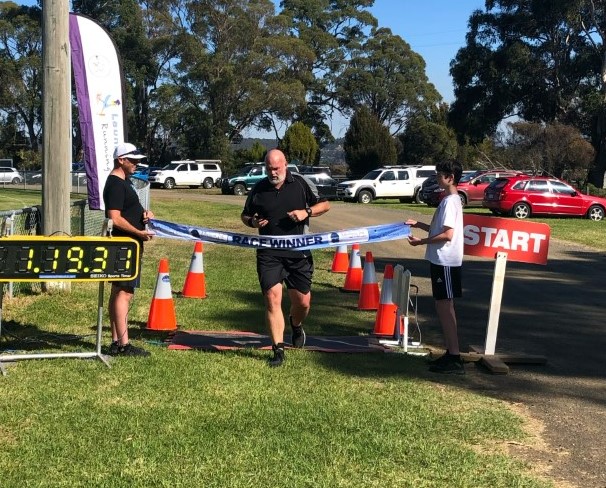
(277, 179)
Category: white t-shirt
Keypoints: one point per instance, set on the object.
(448, 214)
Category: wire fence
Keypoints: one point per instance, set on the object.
(83, 222)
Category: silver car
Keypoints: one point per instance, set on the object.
(10, 175)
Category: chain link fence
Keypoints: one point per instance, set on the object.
(83, 222)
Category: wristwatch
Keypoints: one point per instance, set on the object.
(308, 210)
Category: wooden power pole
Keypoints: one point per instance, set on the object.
(56, 120)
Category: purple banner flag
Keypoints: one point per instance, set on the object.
(98, 80)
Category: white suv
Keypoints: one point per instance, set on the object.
(187, 173)
(10, 175)
(402, 182)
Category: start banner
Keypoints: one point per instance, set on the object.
(527, 242)
(376, 233)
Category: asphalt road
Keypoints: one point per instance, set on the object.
(556, 311)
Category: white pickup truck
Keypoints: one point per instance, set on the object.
(402, 182)
(187, 173)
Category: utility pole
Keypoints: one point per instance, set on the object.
(56, 121)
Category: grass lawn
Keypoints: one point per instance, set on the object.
(195, 419)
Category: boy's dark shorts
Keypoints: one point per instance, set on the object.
(445, 281)
(295, 272)
(136, 283)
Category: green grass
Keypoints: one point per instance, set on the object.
(186, 418)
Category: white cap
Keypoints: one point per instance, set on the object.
(129, 150)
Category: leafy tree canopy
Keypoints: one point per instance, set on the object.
(368, 144)
(389, 78)
(300, 144)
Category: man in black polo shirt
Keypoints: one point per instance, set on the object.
(278, 205)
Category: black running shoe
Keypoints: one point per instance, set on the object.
(297, 335)
(449, 365)
(130, 350)
(278, 358)
(442, 359)
(113, 348)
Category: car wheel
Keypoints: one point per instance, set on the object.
(595, 213)
(463, 199)
(208, 183)
(16, 181)
(169, 184)
(364, 196)
(239, 189)
(418, 198)
(521, 210)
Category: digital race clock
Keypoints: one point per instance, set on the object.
(43, 258)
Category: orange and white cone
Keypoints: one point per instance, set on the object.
(353, 278)
(385, 323)
(162, 311)
(195, 283)
(340, 262)
(369, 291)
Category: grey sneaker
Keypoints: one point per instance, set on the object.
(278, 358)
(449, 365)
(297, 334)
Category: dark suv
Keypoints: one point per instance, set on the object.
(246, 178)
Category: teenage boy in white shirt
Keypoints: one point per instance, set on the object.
(444, 252)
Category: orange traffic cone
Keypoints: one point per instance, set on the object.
(369, 292)
(340, 262)
(385, 323)
(162, 311)
(195, 283)
(353, 279)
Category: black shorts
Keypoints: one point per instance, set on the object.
(445, 281)
(295, 272)
(136, 283)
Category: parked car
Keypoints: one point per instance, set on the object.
(327, 186)
(401, 182)
(142, 172)
(471, 187)
(522, 196)
(10, 175)
(186, 173)
(246, 178)
(307, 170)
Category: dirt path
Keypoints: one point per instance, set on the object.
(555, 310)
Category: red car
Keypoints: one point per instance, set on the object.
(471, 191)
(522, 196)
(471, 186)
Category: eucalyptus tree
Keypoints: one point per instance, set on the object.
(332, 30)
(388, 77)
(543, 61)
(21, 70)
(147, 35)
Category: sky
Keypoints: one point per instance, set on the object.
(435, 29)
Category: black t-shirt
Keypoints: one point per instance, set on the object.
(119, 194)
(265, 201)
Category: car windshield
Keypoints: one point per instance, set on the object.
(245, 170)
(497, 184)
(373, 175)
(171, 166)
(468, 176)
